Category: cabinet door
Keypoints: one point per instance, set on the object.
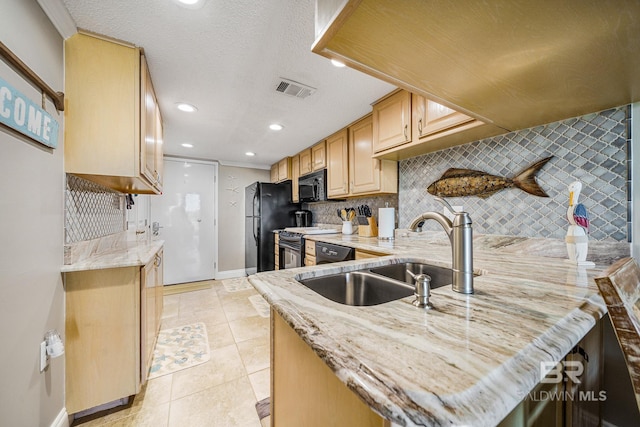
(274, 172)
(284, 169)
(148, 124)
(319, 156)
(147, 316)
(159, 265)
(392, 121)
(305, 162)
(159, 150)
(295, 173)
(337, 165)
(102, 312)
(364, 171)
(429, 117)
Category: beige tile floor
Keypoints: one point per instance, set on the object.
(221, 392)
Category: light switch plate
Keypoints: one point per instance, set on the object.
(43, 356)
(449, 214)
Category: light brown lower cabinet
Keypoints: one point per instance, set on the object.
(305, 392)
(112, 319)
(362, 254)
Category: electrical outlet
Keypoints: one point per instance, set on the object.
(448, 214)
(44, 359)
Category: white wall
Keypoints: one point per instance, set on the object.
(31, 229)
(231, 184)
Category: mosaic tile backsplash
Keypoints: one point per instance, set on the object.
(91, 211)
(593, 149)
(325, 212)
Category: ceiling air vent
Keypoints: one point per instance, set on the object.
(291, 88)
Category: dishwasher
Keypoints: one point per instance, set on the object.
(328, 252)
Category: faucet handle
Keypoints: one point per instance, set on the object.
(446, 205)
(461, 218)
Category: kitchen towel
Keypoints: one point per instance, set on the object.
(387, 222)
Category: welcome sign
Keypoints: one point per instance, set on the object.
(20, 113)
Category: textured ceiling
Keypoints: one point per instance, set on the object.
(227, 58)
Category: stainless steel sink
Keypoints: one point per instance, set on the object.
(440, 276)
(359, 288)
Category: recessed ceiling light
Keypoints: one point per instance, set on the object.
(337, 63)
(275, 126)
(191, 4)
(250, 153)
(186, 107)
(187, 145)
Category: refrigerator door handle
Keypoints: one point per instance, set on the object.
(255, 237)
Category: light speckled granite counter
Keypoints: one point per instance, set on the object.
(468, 362)
(114, 253)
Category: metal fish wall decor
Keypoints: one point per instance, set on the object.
(468, 182)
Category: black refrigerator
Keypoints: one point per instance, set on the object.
(268, 207)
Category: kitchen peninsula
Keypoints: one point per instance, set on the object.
(470, 361)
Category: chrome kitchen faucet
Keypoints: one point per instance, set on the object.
(460, 234)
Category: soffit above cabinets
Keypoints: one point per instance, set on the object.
(515, 64)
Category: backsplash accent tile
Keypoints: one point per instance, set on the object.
(91, 211)
(591, 149)
(325, 212)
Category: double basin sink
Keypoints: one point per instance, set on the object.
(372, 286)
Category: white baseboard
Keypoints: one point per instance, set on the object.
(62, 420)
(230, 274)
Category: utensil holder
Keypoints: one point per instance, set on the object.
(348, 227)
(370, 230)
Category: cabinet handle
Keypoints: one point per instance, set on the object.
(405, 132)
(420, 126)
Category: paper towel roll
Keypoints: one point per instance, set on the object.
(387, 223)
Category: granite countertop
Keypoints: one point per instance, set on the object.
(469, 361)
(129, 254)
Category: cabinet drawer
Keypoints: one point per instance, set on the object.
(310, 248)
(309, 260)
(360, 254)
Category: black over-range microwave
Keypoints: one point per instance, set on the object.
(313, 187)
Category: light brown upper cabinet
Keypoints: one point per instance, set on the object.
(429, 117)
(351, 171)
(295, 174)
(366, 174)
(306, 165)
(338, 165)
(319, 156)
(113, 130)
(284, 169)
(281, 171)
(510, 76)
(151, 125)
(392, 121)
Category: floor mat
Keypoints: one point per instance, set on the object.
(179, 348)
(263, 408)
(236, 284)
(261, 306)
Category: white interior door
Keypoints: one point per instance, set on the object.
(185, 215)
